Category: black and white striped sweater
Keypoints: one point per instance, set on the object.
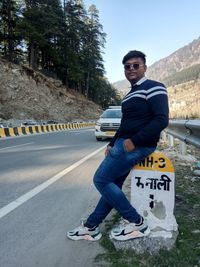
(144, 113)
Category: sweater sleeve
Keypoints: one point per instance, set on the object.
(158, 107)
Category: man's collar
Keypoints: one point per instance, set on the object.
(143, 79)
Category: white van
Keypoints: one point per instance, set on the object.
(108, 123)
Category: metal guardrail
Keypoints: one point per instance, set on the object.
(187, 131)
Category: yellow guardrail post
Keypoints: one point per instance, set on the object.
(2, 132)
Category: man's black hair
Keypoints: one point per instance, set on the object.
(134, 53)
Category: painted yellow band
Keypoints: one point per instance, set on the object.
(2, 132)
(157, 161)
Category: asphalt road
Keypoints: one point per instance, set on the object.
(45, 188)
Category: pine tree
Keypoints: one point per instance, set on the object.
(9, 40)
(40, 28)
(75, 16)
(93, 40)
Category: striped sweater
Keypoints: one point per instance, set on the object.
(144, 113)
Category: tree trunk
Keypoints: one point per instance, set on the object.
(33, 55)
(87, 84)
(10, 32)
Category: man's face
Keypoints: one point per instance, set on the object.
(134, 69)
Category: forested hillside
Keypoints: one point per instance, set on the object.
(184, 100)
(60, 39)
(188, 74)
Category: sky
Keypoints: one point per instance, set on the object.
(156, 27)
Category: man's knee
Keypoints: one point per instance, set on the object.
(98, 181)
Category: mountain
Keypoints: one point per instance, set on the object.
(183, 58)
(180, 72)
(122, 87)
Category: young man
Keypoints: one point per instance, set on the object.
(144, 116)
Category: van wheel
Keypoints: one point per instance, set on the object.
(98, 138)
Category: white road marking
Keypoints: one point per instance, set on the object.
(19, 201)
(15, 146)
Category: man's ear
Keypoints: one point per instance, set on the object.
(145, 68)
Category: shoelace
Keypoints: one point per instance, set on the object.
(123, 221)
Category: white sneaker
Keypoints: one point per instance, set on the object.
(127, 230)
(83, 232)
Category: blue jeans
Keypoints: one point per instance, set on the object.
(109, 179)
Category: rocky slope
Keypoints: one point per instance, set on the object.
(26, 94)
(183, 58)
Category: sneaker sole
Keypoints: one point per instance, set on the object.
(132, 235)
(85, 237)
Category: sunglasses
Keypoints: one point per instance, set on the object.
(134, 66)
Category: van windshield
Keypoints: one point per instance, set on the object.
(112, 113)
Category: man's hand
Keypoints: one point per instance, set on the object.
(107, 150)
(128, 145)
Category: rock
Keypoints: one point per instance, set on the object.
(196, 172)
(189, 158)
(196, 206)
(57, 83)
(196, 231)
(150, 244)
(184, 164)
